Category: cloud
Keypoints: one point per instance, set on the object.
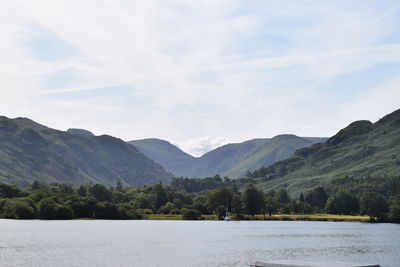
(179, 69)
(199, 146)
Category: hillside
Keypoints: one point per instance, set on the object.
(80, 132)
(362, 155)
(232, 160)
(30, 151)
(167, 155)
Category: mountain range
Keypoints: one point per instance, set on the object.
(30, 151)
(231, 160)
(364, 155)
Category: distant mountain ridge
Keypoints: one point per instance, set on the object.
(232, 160)
(80, 131)
(30, 151)
(362, 155)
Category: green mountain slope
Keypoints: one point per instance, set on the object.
(232, 160)
(363, 153)
(80, 132)
(278, 148)
(167, 155)
(30, 151)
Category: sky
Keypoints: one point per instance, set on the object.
(199, 74)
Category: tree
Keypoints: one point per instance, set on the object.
(18, 209)
(84, 207)
(35, 185)
(282, 196)
(100, 192)
(190, 214)
(317, 198)
(106, 210)
(342, 203)
(394, 213)
(252, 199)
(220, 196)
(301, 197)
(236, 205)
(166, 209)
(49, 209)
(271, 205)
(373, 205)
(9, 191)
(82, 191)
(160, 196)
(119, 186)
(200, 204)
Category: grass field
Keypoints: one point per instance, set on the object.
(276, 217)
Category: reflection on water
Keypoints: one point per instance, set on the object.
(191, 243)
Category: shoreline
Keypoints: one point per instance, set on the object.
(276, 217)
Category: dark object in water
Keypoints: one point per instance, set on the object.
(287, 263)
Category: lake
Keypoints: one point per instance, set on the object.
(193, 243)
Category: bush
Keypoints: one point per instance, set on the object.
(9, 191)
(128, 212)
(190, 214)
(49, 209)
(394, 214)
(175, 211)
(342, 203)
(18, 209)
(84, 207)
(106, 210)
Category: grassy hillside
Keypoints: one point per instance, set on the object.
(232, 160)
(275, 149)
(363, 155)
(167, 155)
(30, 151)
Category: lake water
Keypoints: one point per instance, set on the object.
(193, 243)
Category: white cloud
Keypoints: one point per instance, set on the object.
(199, 146)
(194, 68)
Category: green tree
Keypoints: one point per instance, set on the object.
(106, 210)
(394, 213)
(160, 196)
(35, 185)
(84, 207)
(342, 203)
(118, 186)
(9, 191)
(317, 198)
(166, 209)
(282, 196)
(190, 214)
(237, 204)
(200, 204)
(373, 205)
(82, 191)
(49, 209)
(271, 205)
(252, 199)
(301, 198)
(19, 209)
(221, 196)
(100, 192)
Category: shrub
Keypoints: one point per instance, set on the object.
(106, 210)
(49, 209)
(190, 214)
(18, 209)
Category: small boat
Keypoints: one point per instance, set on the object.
(227, 216)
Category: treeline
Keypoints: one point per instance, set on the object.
(63, 201)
